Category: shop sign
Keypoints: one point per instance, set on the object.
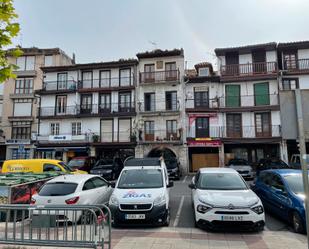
(60, 138)
(204, 143)
(17, 141)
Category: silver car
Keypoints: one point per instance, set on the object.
(242, 167)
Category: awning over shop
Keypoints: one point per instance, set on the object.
(76, 149)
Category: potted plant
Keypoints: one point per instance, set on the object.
(95, 138)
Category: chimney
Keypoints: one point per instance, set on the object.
(73, 58)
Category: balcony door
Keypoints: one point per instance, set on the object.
(86, 103)
(62, 81)
(290, 60)
(259, 61)
(87, 79)
(105, 78)
(105, 103)
(61, 104)
(232, 63)
(232, 96)
(150, 102)
(261, 94)
(202, 127)
(263, 124)
(107, 130)
(201, 99)
(171, 101)
(170, 71)
(171, 129)
(234, 125)
(149, 73)
(149, 130)
(125, 102)
(125, 77)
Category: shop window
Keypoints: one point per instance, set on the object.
(17, 154)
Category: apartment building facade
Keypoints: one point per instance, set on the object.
(19, 106)
(161, 122)
(88, 110)
(293, 60)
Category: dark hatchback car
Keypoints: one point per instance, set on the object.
(108, 168)
(173, 168)
(271, 163)
(84, 163)
(282, 193)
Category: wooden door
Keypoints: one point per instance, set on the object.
(204, 160)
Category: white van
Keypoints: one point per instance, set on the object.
(141, 193)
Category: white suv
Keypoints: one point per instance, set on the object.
(222, 199)
(141, 193)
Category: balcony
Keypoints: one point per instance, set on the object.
(232, 103)
(233, 133)
(50, 87)
(172, 76)
(297, 66)
(258, 70)
(103, 84)
(161, 137)
(162, 107)
(108, 109)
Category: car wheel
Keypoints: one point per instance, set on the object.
(167, 219)
(297, 223)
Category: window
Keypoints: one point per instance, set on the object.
(61, 104)
(125, 102)
(107, 130)
(21, 130)
(105, 103)
(16, 154)
(51, 167)
(58, 189)
(149, 73)
(88, 185)
(22, 108)
(277, 184)
(290, 84)
(48, 60)
(125, 79)
(150, 102)
(234, 126)
(62, 81)
(87, 79)
(25, 63)
(202, 127)
(86, 103)
(149, 130)
(23, 85)
(99, 182)
(54, 128)
(201, 99)
(76, 128)
(261, 94)
(262, 124)
(203, 71)
(124, 129)
(171, 101)
(171, 129)
(232, 95)
(105, 78)
(290, 60)
(171, 72)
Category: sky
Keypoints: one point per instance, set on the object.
(105, 30)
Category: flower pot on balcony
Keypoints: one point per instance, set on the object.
(95, 138)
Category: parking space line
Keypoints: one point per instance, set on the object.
(176, 221)
(184, 179)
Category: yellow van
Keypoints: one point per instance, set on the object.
(37, 166)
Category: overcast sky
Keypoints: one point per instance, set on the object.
(102, 30)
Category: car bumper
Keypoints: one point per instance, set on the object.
(155, 216)
(215, 221)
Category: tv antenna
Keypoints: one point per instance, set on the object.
(153, 43)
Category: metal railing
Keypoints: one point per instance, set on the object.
(296, 65)
(249, 69)
(87, 226)
(159, 106)
(106, 82)
(54, 111)
(160, 136)
(159, 76)
(59, 85)
(234, 101)
(235, 132)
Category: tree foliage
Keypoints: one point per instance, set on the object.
(8, 30)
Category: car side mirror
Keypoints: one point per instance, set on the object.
(112, 184)
(170, 184)
(192, 186)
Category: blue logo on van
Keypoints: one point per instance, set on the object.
(133, 194)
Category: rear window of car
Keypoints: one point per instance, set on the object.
(58, 189)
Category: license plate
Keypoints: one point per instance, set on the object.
(135, 216)
(232, 218)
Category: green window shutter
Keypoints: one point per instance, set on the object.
(261, 94)
(232, 95)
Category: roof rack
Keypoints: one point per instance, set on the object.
(150, 161)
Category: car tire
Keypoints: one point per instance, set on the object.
(298, 226)
(167, 218)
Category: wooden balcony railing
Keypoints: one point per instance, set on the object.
(249, 69)
(296, 65)
(159, 76)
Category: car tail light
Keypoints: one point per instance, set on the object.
(32, 201)
(71, 201)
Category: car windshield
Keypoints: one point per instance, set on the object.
(58, 189)
(171, 164)
(141, 178)
(295, 182)
(76, 163)
(238, 162)
(221, 181)
(104, 162)
(66, 167)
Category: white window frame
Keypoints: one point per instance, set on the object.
(76, 128)
(205, 69)
(54, 129)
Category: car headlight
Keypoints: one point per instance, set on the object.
(113, 201)
(160, 200)
(258, 209)
(203, 208)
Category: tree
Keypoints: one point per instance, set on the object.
(8, 30)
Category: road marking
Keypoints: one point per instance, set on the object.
(184, 179)
(176, 221)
